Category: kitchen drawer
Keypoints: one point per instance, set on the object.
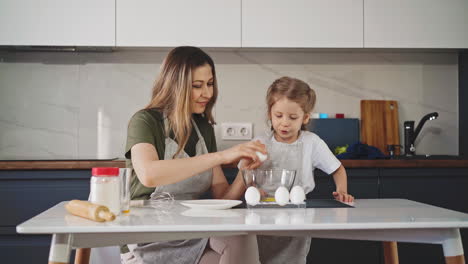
(25, 194)
(25, 249)
(14, 247)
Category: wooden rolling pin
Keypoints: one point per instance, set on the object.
(95, 212)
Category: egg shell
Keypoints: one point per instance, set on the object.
(262, 157)
(282, 196)
(297, 195)
(252, 196)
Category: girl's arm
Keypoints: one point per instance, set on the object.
(341, 193)
(153, 172)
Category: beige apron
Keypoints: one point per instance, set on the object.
(178, 251)
(282, 249)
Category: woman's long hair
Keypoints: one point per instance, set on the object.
(173, 88)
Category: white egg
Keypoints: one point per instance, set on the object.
(282, 196)
(252, 196)
(262, 157)
(297, 195)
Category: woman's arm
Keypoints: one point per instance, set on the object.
(340, 178)
(153, 172)
(220, 188)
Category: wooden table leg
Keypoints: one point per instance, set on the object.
(60, 249)
(82, 255)
(390, 252)
(455, 260)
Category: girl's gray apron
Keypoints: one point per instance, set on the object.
(281, 249)
(179, 251)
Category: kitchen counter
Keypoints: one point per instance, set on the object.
(442, 183)
(401, 163)
(59, 164)
(81, 165)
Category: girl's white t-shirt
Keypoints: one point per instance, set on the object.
(315, 154)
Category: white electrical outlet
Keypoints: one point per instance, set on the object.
(236, 131)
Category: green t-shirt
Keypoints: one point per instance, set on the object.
(147, 126)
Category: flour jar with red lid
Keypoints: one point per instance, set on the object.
(105, 188)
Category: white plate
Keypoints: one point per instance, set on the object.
(212, 204)
(210, 213)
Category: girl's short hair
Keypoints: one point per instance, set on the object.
(294, 90)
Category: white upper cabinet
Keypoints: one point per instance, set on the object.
(416, 23)
(236, 23)
(57, 22)
(167, 23)
(302, 23)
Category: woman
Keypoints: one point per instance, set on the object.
(172, 148)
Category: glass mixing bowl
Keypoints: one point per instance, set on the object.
(267, 181)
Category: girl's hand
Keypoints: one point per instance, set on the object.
(343, 197)
(246, 151)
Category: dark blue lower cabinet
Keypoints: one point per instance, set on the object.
(362, 184)
(24, 248)
(24, 194)
(442, 187)
(338, 251)
(420, 253)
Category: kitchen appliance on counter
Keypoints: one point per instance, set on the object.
(336, 132)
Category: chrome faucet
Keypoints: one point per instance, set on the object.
(411, 134)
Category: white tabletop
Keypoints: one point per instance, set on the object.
(367, 214)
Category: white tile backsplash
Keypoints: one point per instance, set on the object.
(49, 102)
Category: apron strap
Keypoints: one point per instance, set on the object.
(200, 137)
(166, 121)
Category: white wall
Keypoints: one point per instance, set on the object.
(49, 102)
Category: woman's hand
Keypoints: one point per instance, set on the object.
(248, 164)
(343, 196)
(244, 151)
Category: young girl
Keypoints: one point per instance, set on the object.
(290, 102)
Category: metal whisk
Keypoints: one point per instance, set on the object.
(157, 200)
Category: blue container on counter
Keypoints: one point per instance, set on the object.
(336, 132)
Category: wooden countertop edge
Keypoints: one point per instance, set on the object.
(59, 164)
(80, 164)
(405, 163)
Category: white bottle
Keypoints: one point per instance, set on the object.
(105, 188)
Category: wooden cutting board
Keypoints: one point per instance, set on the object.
(379, 124)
